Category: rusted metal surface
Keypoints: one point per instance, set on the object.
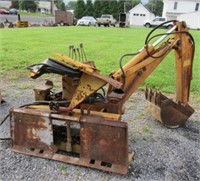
(168, 112)
(115, 103)
(64, 17)
(69, 85)
(31, 131)
(89, 140)
(104, 141)
(42, 92)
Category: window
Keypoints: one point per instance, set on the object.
(162, 19)
(197, 7)
(156, 19)
(175, 5)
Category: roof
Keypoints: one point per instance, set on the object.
(140, 4)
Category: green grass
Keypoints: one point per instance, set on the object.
(35, 14)
(21, 47)
(63, 167)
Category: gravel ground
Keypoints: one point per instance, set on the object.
(160, 153)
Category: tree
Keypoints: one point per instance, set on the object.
(105, 9)
(28, 5)
(130, 4)
(89, 10)
(121, 4)
(71, 5)
(97, 8)
(63, 7)
(126, 5)
(79, 9)
(60, 5)
(156, 6)
(14, 4)
(114, 8)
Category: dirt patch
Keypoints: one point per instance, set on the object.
(160, 153)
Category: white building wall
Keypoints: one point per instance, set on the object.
(192, 19)
(5, 4)
(139, 14)
(183, 6)
(165, 8)
(185, 11)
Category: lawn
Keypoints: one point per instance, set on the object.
(21, 47)
(35, 14)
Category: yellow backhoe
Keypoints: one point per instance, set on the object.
(82, 124)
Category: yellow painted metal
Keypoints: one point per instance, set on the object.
(87, 85)
(77, 113)
(184, 59)
(32, 74)
(22, 24)
(135, 60)
(73, 63)
(150, 64)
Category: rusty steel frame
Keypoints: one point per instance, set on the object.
(103, 142)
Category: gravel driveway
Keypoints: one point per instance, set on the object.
(160, 153)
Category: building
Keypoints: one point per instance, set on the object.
(140, 13)
(5, 4)
(46, 6)
(183, 10)
(42, 6)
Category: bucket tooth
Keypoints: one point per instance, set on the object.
(150, 94)
(154, 97)
(146, 93)
(169, 113)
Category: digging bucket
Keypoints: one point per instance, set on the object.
(168, 112)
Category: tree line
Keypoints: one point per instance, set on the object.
(115, 7)
(92, 7)
(31, 5)
(98, 7)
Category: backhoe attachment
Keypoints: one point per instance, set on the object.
(82, 123)
(170, 113)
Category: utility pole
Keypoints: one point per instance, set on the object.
(124, 7)
(52, 7)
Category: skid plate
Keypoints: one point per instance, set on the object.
(87, 140)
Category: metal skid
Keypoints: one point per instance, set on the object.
(90, 140)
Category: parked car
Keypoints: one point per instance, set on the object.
(4, 11)
(87, 21)
(106, 20)
(13, 11)
(157, 21)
